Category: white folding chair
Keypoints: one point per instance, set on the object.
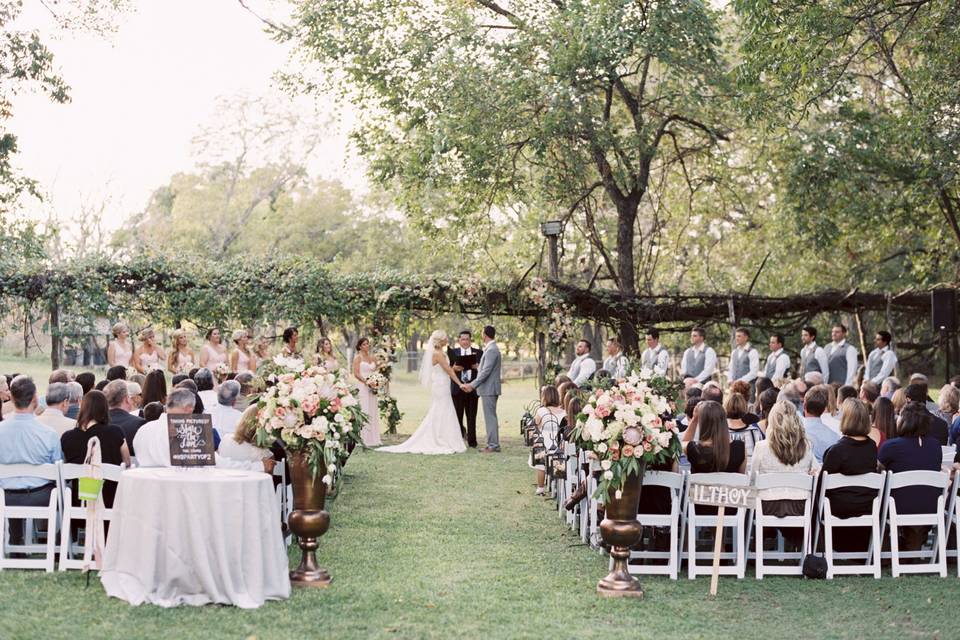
(284, 493)
(676, 483)
(947, 455)
(733, 521)
(46, 512)
(937, 555)
(874, 481)
(572, 465)
(763, 481)
(593, 517)
(69, 472)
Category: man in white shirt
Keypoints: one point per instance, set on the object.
(745, 360)
(655, 357)
(224, 416)
(841, 357)
(778, 362)
(58, 400)
(699, 361)
(812, 356)
(882, 360)
(152, 442)
(615, 363)
(204, 379)
(583, 366)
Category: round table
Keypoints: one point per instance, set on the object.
(195, 536)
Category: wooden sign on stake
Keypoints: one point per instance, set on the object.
(722, 496)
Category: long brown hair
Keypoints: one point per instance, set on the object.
(155, 388)
(93, 409)
(712, 423)
(884, 418)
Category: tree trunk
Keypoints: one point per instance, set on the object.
(56, 341)
(626, 218)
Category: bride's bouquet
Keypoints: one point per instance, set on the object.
(376, 382)
(624, 426)
(313, 411)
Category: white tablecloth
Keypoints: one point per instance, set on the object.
(196, 536)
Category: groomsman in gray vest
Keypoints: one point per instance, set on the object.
(655, 357)
(841, 357)
(745, 360)
(883, 360)
(699, 361)
(812, 355)
(778, 362)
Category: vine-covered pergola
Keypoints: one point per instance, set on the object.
(307, 293)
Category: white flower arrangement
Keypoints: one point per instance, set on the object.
(624, 426)
(376, 382)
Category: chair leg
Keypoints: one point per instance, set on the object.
(64, 542)
(894, 548)
(942, 548)
(828, 548)
(691, 547)
(758, 543)
(52, 541)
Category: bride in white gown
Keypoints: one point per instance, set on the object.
(440, 431)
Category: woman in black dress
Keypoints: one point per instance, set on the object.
(93, 421)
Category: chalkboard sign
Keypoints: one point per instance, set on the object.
(722, 495)
(191, 440)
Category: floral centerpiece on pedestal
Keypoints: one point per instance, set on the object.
(385, 354)
(625, 429)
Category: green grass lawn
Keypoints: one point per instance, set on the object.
(434, 547)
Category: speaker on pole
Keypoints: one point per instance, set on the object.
(943, 304)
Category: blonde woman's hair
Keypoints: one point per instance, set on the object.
(831, 399)
(246, 430)
(785, 433)
(172, 356)
(437, 337)
(949, 400)
(146, 334)
(239, 333)
(854, 418)
(118, 328)
(899, 400)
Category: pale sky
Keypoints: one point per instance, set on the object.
(138, 98)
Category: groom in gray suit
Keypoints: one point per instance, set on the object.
(487, 386)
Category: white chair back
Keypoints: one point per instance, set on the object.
(71, 555)
(676, 483)
(28, 514)
(765, 481)
(947, 454)
(735, 521)
(938, 554)
(873, 520)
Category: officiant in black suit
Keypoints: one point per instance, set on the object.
(465, 360)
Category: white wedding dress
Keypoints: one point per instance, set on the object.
(439, 432)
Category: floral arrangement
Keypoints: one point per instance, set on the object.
(561, 324)
(279, 364)
(471, 289)
(385, 355)
(310, 410)
(390, 412)
(221, 370)
(376, 382)
(624, 426)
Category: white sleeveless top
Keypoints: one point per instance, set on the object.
(243, 362)
(150, 360)
(214, 357)
(184, 362)
(123, 355)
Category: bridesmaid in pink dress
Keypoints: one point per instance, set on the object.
(181, 357)
(363, 366)
(213, 353)
(241, 359)
(148, 355)
(120, 352)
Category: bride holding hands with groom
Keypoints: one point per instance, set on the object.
(439, 433)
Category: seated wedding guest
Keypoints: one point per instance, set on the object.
(241, 357)
(136, 397)
(152, 443)
(75, 393)
(205, 387)
(60, 375)
(949, 403)
(853, 454)
(844, 393)
(616, 362)
(101, 384)
(821, 436)
(573, 407)
(155, 388)
(919, 378)
(712, 391)
(151, 412)
(58, 401)
(118, 403)
(683, 423)
(735, 406)
(93, 421)
(813, 378)
(766, 401)
(239, 449)
(566, 390)
(560, 379)
(786, 449)
(713, 450)
(869, 392)
(913, 450)
(25, 440)
(889, 386)
(884, 422)
(198, 402)
(899, 400)
(916, 393)
(177, 379)
(193, 373)
(224, 416)
(831, 417)
(583, 366)
(120, 351)
(699, 361)
(247, 390)
(86, 380)
(762, 385)
(291, 338)
(118, 372)
(181, 356)
(791, 394)
(547, 418)
(744, 389)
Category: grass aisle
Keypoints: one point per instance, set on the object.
(434, 547)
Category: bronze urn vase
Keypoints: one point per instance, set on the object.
(621, 530)
(308, 520)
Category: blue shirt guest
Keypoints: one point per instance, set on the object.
(821, 436)
(25, 440)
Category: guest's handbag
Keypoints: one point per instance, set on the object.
(814, 566)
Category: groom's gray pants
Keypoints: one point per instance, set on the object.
(490, 421)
